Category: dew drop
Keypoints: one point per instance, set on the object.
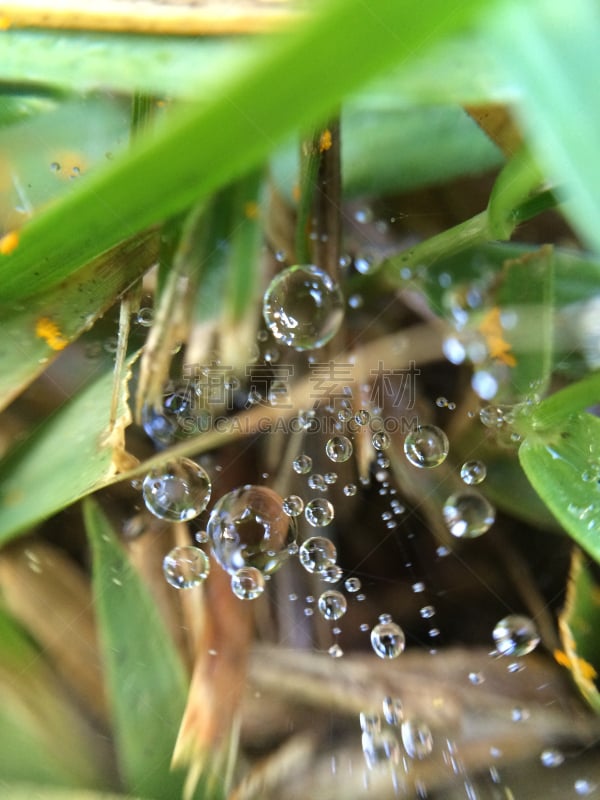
(186, 567)
(335, 651)
(293, 505)
(319, 512)
(552, 757)
(302, 465)
(583, 787)
(247, 583)
(362, 417)
(515, 635)
(201, 537)
(387, 639)
(332, 605)
(427, 612)
(317, 482)
(416, 738)
(248, 527)
(426, 447)
(339, 449)
(165, 425)
(468, 514)
(331, 574)
(380, 748)
(380, 440)
(178, 491)
(476, 678)
(393, 711)
(350, 489)
(303, 307)
(352, 584)
(473, 472)
(317, 553)
(330, 478)
(369, 723)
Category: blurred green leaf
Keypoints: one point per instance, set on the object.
(578, 624)
(562, 462)
(18, 107)
(34, 333)
(64, 459)
(24, 791)
(524, 299)
(42, 736)
(550, 51)
(146, 681)
(211, 143)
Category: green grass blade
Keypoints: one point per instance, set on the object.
(62, 461)
(550, 51)
(212, 143)
(563, 466)
(34, 333)
(146, 681)
(578, 625)
(24, 791)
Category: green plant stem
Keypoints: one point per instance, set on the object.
(309, 171)
(517, 180)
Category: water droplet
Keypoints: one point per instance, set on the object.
(303, 307)
(165, 425)
(335, 651)
(339, 449)
(473, 472)
(393, 711)
(249, 528)
(416, 738)
(583, 787)
(552, 757)
(317, 482)
(515, 635)
(145, 317)
(468, 514)
(319, 512)
(186, 567)
(350, 489)
(293, 505)
(330, 478)
(427, 612)
(380, 748)
(317, 553)
(362, 417)
(380, 440)
(55, 166)
(247, 583)
(201, 537)
(518, 714)
(352, 584)
(387, 639)
(302, 465)
(476, 678)
(178, 491)
(331, 574)
(418, 587)
(426, 447)
(369, 723)
(332, 604)
(355, 300)
(366, 265)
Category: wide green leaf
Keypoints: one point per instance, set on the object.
(550, 51)
(562, 462)
(146, 681)
(212, 142)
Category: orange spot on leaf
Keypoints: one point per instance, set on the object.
(48, 330)
(251, 210)
(325, 140)
(9, 242)
(498, 348)
(4, 23)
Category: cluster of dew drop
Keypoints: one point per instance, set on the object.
(252, 531)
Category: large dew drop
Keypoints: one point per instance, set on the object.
(319, 512)
(317, 553)
(515, 635)
(468, 514)
(416, 738)
(387, 638)
(303, 307)
(178, 491)
(247, 583)
(339, 449)
(248, 527)
(186, 567)
(427, 447)
(332, 604)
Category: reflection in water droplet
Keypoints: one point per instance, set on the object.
(293, 505)
(332, 604)
(552, 757)
(247, 583)
(303, 307)
(393, 711)
(331, 574)
(426, 447)
(178, 491)
(473, 472)
(468, 514)
(335, 651)
(186, 567)
(248, 527)
(302, 465)
(380, 440)
(515, 635)
(387, 639)
(352, 584)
